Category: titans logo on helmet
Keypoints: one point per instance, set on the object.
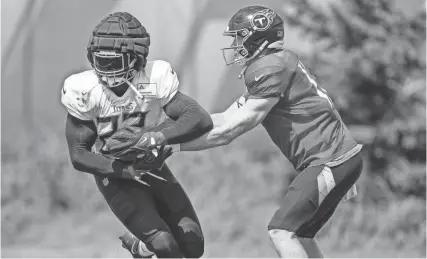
(262, 20)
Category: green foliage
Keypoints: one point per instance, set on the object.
(367, 57)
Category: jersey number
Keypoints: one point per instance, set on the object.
(107, 126)
(319, 90)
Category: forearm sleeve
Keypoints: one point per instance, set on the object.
(191, 120)
(81, 136)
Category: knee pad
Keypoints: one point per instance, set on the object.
(193, 248)
(163, 244)
(190, 238)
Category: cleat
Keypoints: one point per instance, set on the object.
(137, 248)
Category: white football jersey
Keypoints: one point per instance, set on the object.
(87, 99)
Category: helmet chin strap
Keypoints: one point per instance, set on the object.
(240, 76)
(257, 52)
(134, 89)
(130, 84)
(274, 45)
(127, 79)
(114, 84)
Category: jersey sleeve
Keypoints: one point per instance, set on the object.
(270, 76)
(76, 97)
(167, 82)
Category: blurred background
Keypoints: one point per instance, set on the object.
(368, 54)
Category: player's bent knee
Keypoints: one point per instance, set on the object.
(190, 238)
(164, 245)
(194, 248)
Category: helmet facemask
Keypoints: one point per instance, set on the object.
(114, 68)
(238, 52)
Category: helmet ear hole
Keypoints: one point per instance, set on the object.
(244, 32)
(243, 52)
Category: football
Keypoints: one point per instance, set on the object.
(120, 144)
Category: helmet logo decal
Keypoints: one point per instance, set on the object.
(262, 20)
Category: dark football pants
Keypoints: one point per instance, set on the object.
(161, 215)
(300, 211)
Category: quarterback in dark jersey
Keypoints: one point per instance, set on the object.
(125, 91)
(301, 120)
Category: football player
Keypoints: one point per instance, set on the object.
(122, 94)
(301, 120)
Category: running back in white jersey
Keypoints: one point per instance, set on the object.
(87, 99)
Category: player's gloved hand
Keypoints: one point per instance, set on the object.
(152, 159)
(148, 161)
(127, 143)
(150, 140)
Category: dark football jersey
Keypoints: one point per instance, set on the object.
(304, 123)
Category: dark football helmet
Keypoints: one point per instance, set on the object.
(253, 28)
(118, 47)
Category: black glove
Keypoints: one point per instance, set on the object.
(151, 159)
(147, 161)
(126, 144)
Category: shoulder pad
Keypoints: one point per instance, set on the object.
(77, 94)
(271, 74)
(166, 79)
(270, 64)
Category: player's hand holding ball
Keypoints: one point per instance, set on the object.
(140, 148)
(151, 159)
(148, 160)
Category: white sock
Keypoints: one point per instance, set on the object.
(290, 246)
(144, 251)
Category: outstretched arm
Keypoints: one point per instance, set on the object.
(189, 121)
(220, 118)
(234, 124)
